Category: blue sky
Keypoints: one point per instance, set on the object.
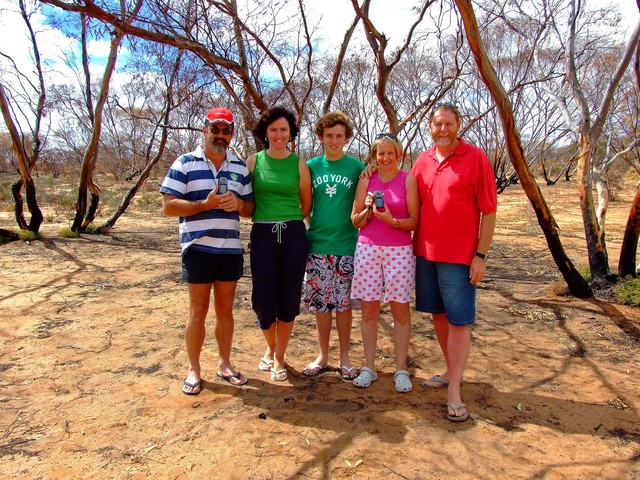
(334, 16)
(390, 17)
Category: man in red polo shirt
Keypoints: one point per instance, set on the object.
(457, 218)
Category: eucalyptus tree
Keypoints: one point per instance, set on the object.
(585, 96)
(512, 37)
(629, 248)
(430, 90)
(576, 283)
(23, 106)
(156, 140)
(256, 55)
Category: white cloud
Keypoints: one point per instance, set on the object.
(98, 49)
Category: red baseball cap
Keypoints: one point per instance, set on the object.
(219, 115)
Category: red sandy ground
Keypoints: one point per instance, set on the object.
(92, 362)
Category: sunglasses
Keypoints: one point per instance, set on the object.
(392, 136)
(224, 131)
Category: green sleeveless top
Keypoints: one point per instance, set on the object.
(276, 189)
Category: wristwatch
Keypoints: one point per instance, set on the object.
(481, 255)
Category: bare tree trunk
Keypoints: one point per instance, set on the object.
(596, 247)
(339, 63)
(93, 205)
(378, 42)
(91, 153)
(576, 283)
(627, 262)
(590, 131)
(604, 193)
(18, 208)
(25, 173)
(26, 161)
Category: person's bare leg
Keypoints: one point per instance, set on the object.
(195, 330)
(459, 344)
(401, 314)
(344, 320)
(441, 325)
(369, 328)
(283, 334)
(223, 298)
(323, 325)
(270, 337)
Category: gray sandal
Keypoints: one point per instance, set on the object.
(402, 379)
(456, 409)
(366, 378)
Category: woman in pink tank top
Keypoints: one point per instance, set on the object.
(386, 210)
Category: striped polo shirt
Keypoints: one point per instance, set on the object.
(192, 177)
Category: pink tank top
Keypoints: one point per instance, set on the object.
(377, 232)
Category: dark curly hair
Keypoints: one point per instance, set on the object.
(271, 115)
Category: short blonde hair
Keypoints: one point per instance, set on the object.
(382, 139)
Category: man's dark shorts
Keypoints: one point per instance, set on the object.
(206, 267)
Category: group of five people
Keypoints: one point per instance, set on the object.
(359, 244)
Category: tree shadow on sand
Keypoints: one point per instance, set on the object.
(315, 402)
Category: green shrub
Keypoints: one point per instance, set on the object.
(91, 229)
(628, 291)
(68, 233)
(28, 235)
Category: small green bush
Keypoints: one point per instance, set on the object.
(628, 291)
(68, 233)
(28, 235)
(91, 229)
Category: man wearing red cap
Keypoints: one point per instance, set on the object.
(209, 228)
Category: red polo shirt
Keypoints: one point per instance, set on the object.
(453, 194)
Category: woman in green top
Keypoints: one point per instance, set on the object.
(279, 246)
